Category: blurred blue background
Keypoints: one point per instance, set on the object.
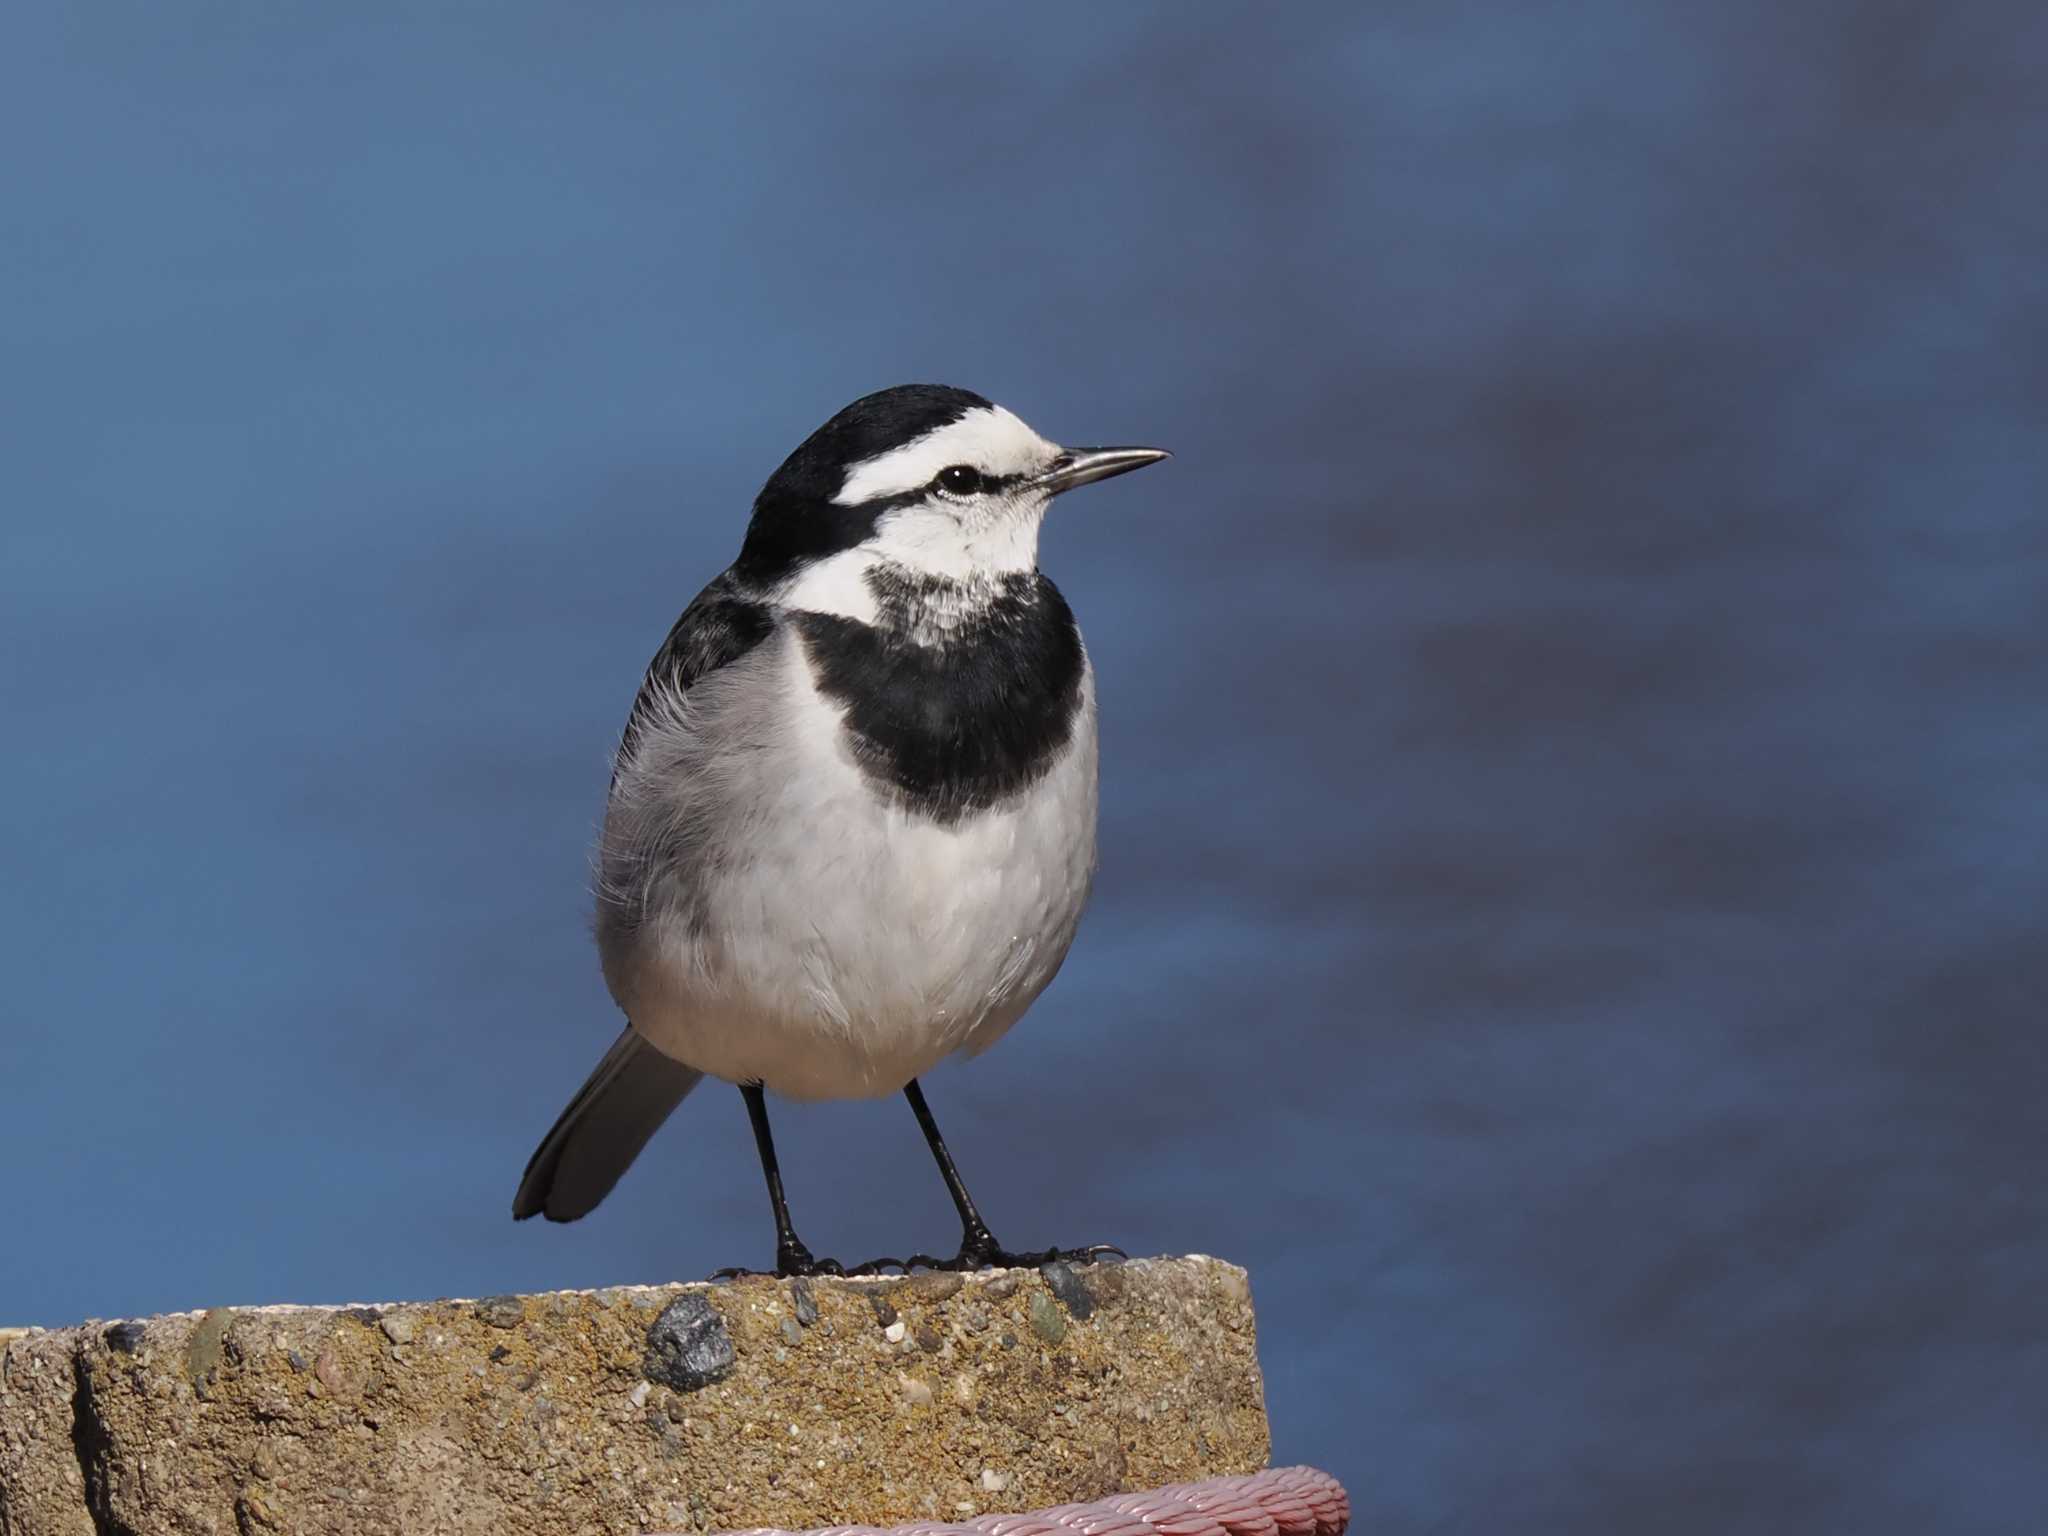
(1575, 710)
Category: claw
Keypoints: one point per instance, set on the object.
(972, 1256)
(1091, 1253)
(878, 1266)
(987, 1254)
(787, 1267)
(793, 1261)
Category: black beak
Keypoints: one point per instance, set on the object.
(1082, 466)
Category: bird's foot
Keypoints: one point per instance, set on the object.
(811, 1268)
(793, 1261)
(900, 1266)
(979, 1250)
(1089, 1253)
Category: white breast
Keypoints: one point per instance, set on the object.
(802, 931)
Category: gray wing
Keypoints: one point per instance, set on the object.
(635, 1087)
(656, 820)
(726, 620)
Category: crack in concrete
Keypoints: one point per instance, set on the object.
(89, 1439)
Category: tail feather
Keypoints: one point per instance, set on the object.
(632, 1091)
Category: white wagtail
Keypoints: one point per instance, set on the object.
(852, 817)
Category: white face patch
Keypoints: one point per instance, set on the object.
(938, 541)
(993, 441)
(837, 586)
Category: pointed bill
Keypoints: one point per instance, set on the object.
(1083, 466)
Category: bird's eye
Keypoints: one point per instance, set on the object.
(959, 480)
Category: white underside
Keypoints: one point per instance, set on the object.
(801, 930)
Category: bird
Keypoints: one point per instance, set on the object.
(852, 818)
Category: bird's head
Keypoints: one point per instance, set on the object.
(933, 481)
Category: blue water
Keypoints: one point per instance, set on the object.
(1575, 854)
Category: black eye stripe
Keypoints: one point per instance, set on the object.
(876, 506)
(966, 480)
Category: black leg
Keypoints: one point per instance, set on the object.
(791, 1256)
(974, 1232)
(977, 1244)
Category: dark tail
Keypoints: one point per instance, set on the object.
(632, 1091)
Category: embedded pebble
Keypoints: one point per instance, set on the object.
(688, 1347)
(931, 1285)
(1071, 1289)
(254, 1511)
(792, 1332)
(1046, 1319)
(327, 1370)
(501, 1311)
(398, 1327)
(894, 1332)
(806, 1303)
(993, 1481)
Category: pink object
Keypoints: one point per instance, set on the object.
(1282, 1501)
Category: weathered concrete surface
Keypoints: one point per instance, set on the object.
(760, 1402)
(38, 1385)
